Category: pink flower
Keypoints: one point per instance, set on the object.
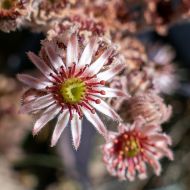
(73, 86)
(127, 152)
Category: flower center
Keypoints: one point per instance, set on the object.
(6, 4)
(73, 90)
(127, 145)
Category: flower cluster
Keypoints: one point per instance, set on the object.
(91, 65)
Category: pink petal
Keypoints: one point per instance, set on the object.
(49, 114)
(32, 81)
(161, 137)
(165, 152)
(72, 50)
(40, 64)
(39, 103)
(151, 129)
(98, 64)
(96, 122)
(104, 108)
(108, 74)
(87, 54)
(112, 92)
(154, 163)
(56, 61)
(76, 129)
(62, 122)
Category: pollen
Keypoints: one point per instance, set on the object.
(73, 90)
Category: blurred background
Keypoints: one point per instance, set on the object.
(29, 163)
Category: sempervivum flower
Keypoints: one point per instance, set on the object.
(134, 52)
(73, 86)
(12, 13)
(162, 70)
(149, 106)
(127, 152)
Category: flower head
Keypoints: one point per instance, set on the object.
(73, 87)
(12, 13)
(127, 152)
(148, 105)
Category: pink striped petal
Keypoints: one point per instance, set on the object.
(62, 122)
(108, 74)
(104, 108)
(76, 129)
(112, 92)
(87, 54)
(72, 50)
(55, 59)
(41, 65)
(96, 122)
(32, 81)
(99, 63)
(39, 103)
(49, 114)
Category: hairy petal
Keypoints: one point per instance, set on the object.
(87, 54)
(62, 122)
(40, 64)
(32, 81)
(39, 103)
(96, 122)
(76, 130)
(104, 108)
(55, 59)
(108, 74)
(72, 50)
(49, 114)
(98, 64)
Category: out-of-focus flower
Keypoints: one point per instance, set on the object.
(149, 106)
(45, 13)
(138, 82)
(134, 53)
(13, 127)
(119, 16)
(74, 86)
(13, 13)
(84, 26)
(161, 69)
(127, 152)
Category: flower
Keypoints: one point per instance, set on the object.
(74, 87)
(148, 105)
(161, 69)
(127, 152)
(13, 13)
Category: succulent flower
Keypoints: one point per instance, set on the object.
(148, 105)
(134, 53)
(127, 152)
(13, 13)
(74, 86)
(161, 69)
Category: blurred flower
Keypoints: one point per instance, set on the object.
(161, 69)
(127, 152)
(73, 86)
(134, 53)
(149, 106)
(84, 26)
(13, 13)
(13, 127)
